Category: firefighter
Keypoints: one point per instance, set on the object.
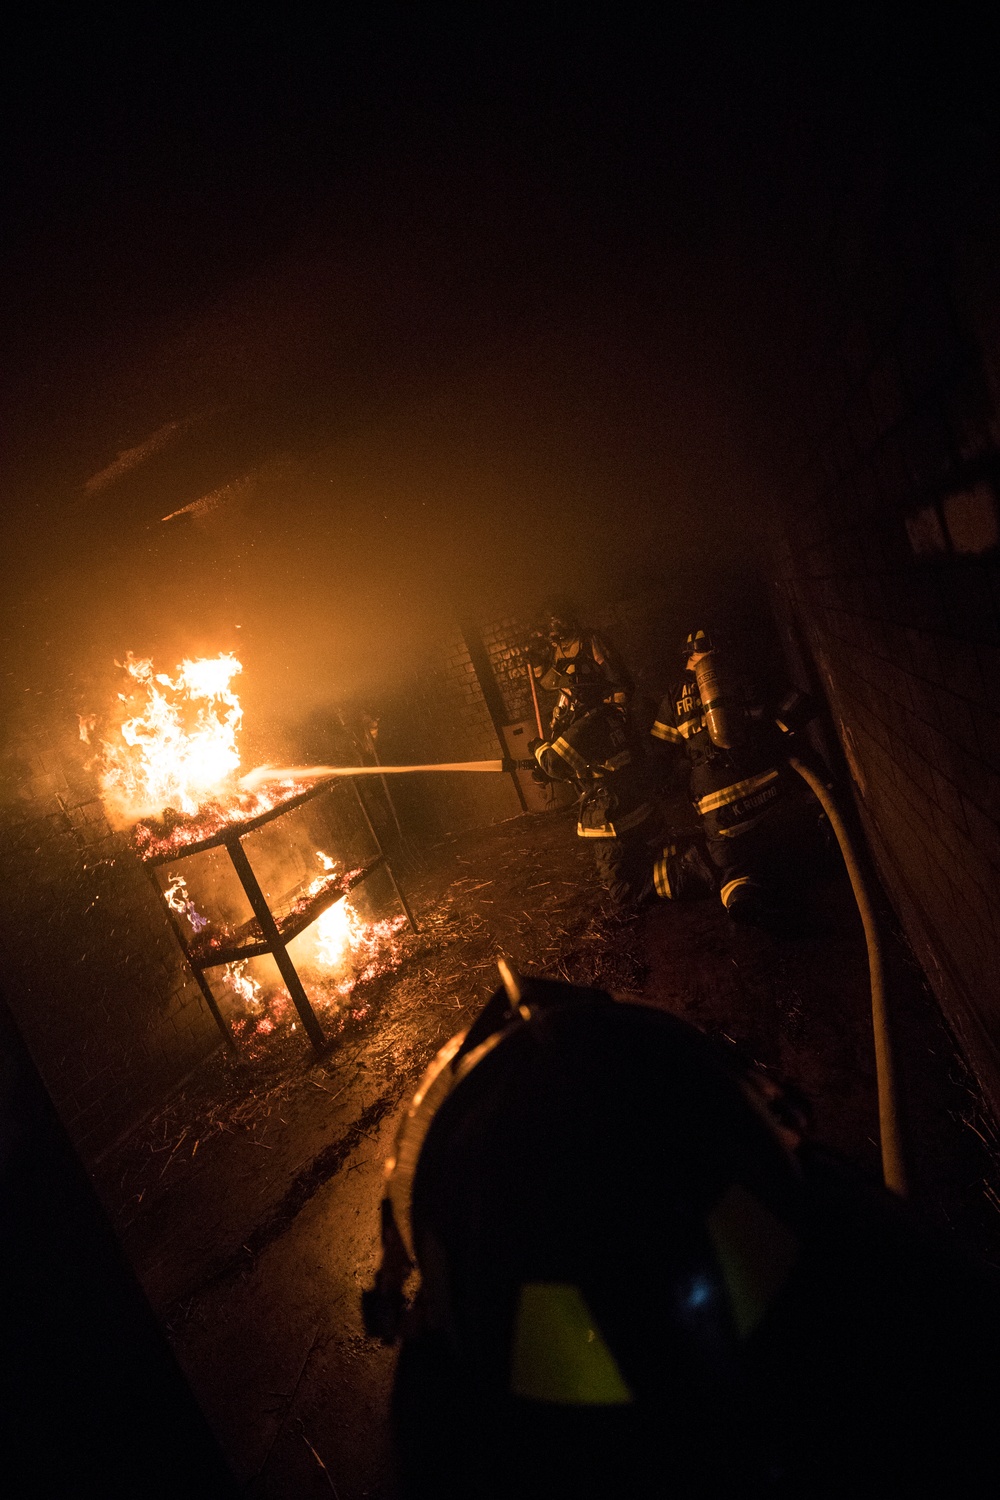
(639, 1276)
(566, 646)
(592, 746)
(749, 801)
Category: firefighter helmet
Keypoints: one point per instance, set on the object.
(559, 610)
(603, 1206)
(698, 642)
(638, 1279)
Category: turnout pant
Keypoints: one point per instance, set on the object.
(744, 863)
(624, 867)
(769, 858)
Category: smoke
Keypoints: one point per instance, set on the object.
(393, 435)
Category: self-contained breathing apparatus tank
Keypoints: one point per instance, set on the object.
(718, 686)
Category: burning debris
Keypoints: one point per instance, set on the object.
(168, 770)
(172, 834)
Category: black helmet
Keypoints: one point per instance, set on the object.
(699, 641)
(560, 607)
(602, 1206)
(636, 1279)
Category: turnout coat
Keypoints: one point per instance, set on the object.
(732, 790)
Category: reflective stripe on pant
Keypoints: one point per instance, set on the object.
(744, 865)
(626, 824)
(661, 875)
(736, 890)
(681, 872)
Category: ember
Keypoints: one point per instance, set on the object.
(156, 837)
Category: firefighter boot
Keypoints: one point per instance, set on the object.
(682, 872)
(749, 903)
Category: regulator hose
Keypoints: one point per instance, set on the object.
(890, 1131)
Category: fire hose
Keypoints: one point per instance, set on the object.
(725, 725)
(890, 1131)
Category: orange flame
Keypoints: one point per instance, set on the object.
(177, 745)
(337, 930)
(340, 944)
(237, 975)
(330, 939)
(175, 748)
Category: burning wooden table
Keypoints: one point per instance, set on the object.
(168, 771)
(266, 932)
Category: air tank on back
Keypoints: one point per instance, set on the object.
(721, 699)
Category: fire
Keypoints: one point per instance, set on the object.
(179, 900)
(347, 948)
(336, 931)
(169, 769)
(341, 947)
(176, 744)
(242, 983)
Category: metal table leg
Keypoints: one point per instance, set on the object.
(273, 938)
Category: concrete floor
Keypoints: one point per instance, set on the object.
(249, 1207)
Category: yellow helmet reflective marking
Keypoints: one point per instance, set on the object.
(558, 1352)
(755, 1251)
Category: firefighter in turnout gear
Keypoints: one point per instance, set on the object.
(592, 746)
(749, 801)
(567, 648)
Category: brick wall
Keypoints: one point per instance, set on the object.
(441, 715)
(886, 573)
(503, 640)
